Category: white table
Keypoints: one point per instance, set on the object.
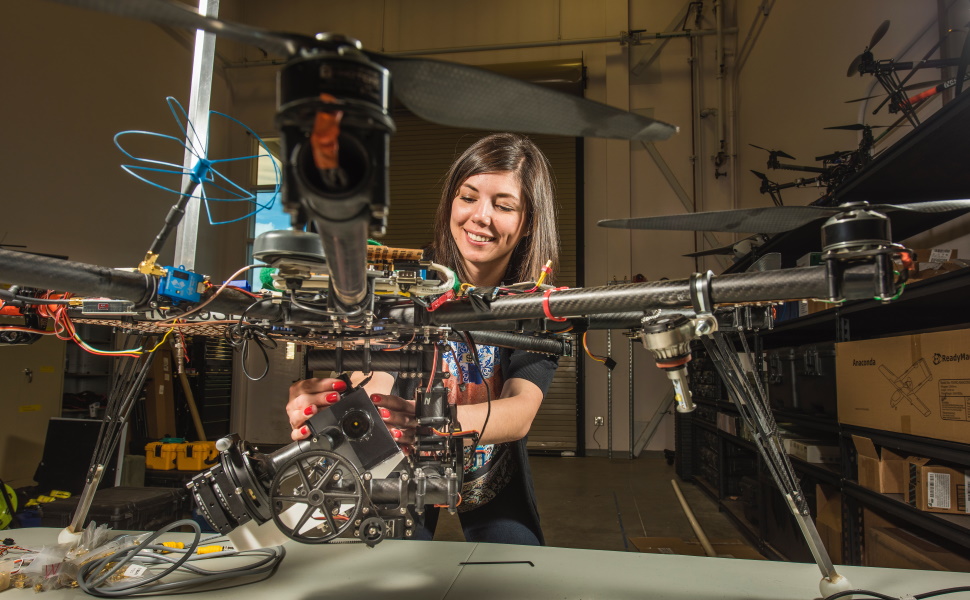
(400, 570)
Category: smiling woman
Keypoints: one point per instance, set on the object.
(495, 224)
(496, 220)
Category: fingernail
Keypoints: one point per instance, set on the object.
(304, 430)
(375, 398)
(385, 413)
(308, 411)
(332, 397)
(340, 386)
(396, 433)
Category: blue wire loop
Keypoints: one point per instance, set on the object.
(211, 184)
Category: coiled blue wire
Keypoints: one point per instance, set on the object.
(203, 172)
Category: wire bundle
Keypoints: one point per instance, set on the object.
(99, 577)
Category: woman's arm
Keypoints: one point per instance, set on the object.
(511, 414)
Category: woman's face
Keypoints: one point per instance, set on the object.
(487, 221)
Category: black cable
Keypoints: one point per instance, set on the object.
(856, 593)
(488, 392)
(243, 333)
(28, 300)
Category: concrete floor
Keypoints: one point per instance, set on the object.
(599, 503)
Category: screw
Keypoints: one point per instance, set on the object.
(404, 476)
(403, 510)
(366, 510)
(357, 522)
(408, 522)
(367, 476)
(409, 533)
(336, 477)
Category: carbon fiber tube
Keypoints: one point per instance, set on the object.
(353, 360)
(96, 281)
(83, 279)
(788, 284)
(518, 341)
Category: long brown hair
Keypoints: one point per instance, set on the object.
(496, 153)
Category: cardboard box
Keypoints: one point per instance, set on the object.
(723, 549)
(915, 384)
(813, 451)
(828, 519)
(880, 472)
(936, 488)
(933, 258)
(889, 547)
(160, 396)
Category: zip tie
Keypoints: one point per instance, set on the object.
(545, 304)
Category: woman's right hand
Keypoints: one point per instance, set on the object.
(307, 397)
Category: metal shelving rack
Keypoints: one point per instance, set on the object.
(933, 304)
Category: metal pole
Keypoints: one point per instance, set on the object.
(197, 136)
(632, 454)
(609, 396)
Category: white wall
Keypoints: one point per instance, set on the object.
(74, 79)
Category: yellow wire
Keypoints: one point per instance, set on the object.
(602, 360)
(162, 341)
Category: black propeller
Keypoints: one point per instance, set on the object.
(910, 86)
(876, 36)
(774, 153)
(737, 249)
(856, 127)
(770, 220)
(441, 92)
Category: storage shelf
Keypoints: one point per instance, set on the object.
(825, 473)
(955, 528)
(739, 441)
(817, 422)
(911, 444)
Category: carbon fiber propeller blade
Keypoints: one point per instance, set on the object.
(440, 92)
(748, 220)
(780, 153)
(725, 250)
(856, 127)
(463, 96)
(176, 14)
(878, 34)
(777, 219)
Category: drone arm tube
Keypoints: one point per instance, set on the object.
(79, 278)
(768, 286)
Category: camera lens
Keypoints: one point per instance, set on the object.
(355, 424)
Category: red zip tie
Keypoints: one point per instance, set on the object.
(545, 304)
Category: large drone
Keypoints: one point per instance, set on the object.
(349, 300)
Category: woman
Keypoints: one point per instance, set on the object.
(495, 224)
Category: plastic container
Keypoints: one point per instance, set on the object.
(161, 456)
(195, 456)
(121, 508)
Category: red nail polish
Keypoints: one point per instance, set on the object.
(375, 398)
(304, 430)
(332, 397)
(339, 386)
(385, 413)
(308, 411)
(396, 433)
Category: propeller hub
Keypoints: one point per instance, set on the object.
(856, 229)
(337, 40)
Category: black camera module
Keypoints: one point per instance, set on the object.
(356, 424)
